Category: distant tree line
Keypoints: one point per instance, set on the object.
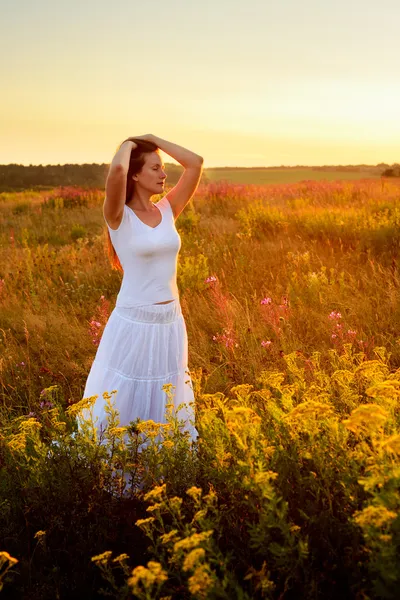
(393, 171)
(15, 177)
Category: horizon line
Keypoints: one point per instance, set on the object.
(381, 164)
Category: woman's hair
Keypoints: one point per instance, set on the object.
(136, 162)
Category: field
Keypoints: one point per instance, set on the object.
(290, 289)
(284, 175)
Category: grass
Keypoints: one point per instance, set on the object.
(263, 176)
(290, 293)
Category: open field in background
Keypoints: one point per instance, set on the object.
(262, 176)
(317, 246)
(291, 296)
(19, 178)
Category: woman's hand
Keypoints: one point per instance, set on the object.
(147, 137)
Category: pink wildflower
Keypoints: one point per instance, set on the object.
(334, 315)
(226, 338)
(46, 404)
(266, 343)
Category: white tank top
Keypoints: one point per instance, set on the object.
(148, 256)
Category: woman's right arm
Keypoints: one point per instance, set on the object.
(113, 206)
(122, 156)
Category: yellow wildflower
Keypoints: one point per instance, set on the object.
(84, 404)
(392, 444)
(116, 430)
(155, 506)
(140, 522)
(200, 582)
(147, 425)
(167, 386)
(193, 540)
(367, 418)
(294, 528)
(6, 556)
(264, 476)
(156, 493)
(211, 497)
(194, 492)
(102, 558)
(200, 514)
(26, 429)
(374, 516)
(169, 537)
(308, 414)
(175, 503)
(193, 558)
(120, 558)
(148, 576)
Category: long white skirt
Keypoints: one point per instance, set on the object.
(141, 349)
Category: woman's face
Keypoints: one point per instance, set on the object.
(153, 175)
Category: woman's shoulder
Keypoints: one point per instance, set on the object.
(118, 224)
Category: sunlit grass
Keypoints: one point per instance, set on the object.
(291, 296)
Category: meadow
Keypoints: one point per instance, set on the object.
(291, 295)
(276, 175)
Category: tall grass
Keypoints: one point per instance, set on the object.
(291, 298)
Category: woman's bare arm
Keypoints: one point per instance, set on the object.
(122, 156)
(185, 157)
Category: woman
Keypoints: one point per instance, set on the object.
(144, 343)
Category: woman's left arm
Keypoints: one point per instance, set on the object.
(185, 157)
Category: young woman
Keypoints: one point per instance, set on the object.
(144, 344)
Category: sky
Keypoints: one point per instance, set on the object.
(250, 83)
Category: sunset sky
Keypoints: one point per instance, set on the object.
(249, 83)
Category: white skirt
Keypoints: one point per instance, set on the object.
(141, 349)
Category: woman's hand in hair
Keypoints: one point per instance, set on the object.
(147, 137)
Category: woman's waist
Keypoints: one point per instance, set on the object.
(150, 312)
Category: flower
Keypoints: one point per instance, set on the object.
(102, 558)
(266, 343)
(154, 573)
(210, 279)
(193, 540)
(193, 558)
(46, 404)
(334, 315)
(194, 492)
(156, 493)
(200, 582)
